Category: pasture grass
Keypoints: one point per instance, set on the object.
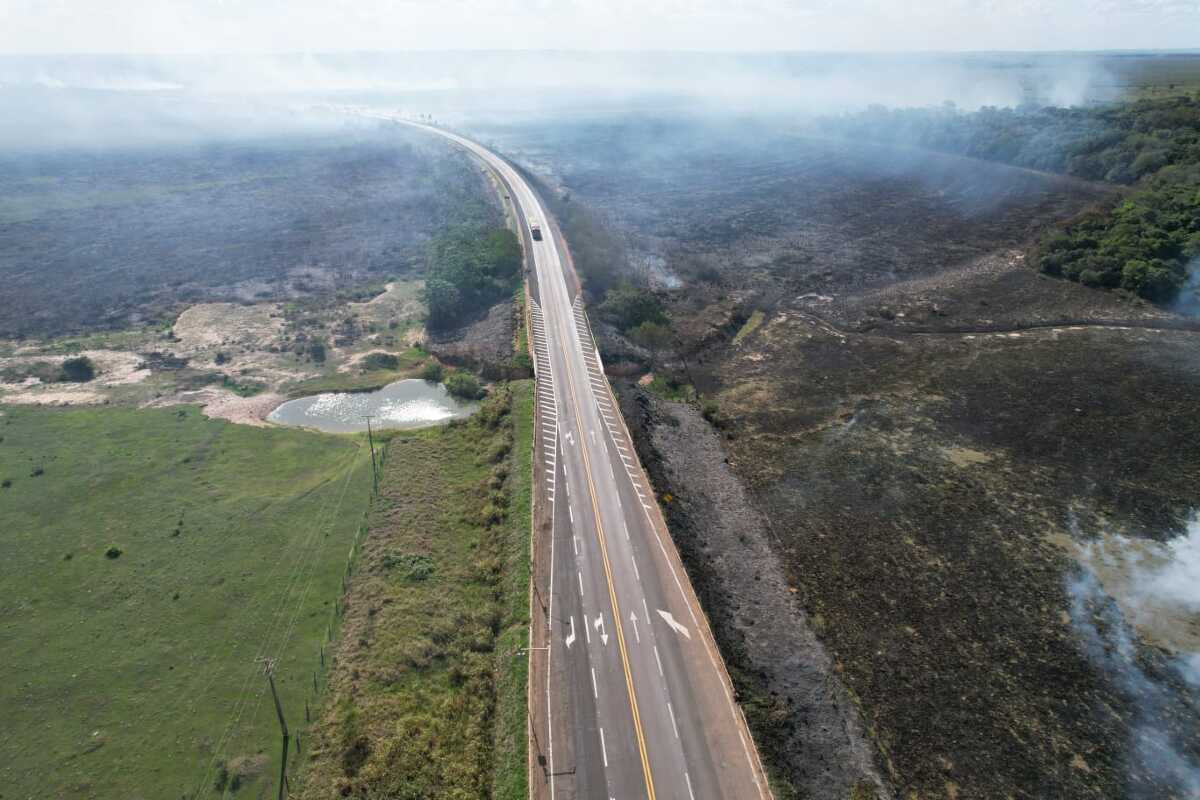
(149, 561)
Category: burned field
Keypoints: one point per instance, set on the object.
(920, 436)
(106, 240)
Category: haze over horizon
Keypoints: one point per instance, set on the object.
(273, 26)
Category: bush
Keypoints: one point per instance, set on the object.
(7, 482)
(712, 412)
(628, 306)
(316, 351)
(376, 361)
(432, 372)
(79, 369)
(464, 385)
(113, 552)
(412, 566)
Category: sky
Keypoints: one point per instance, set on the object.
(268, 26)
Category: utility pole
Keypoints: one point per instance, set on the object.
(371, 441)
(269, 668)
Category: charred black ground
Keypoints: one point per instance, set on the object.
(923, 424)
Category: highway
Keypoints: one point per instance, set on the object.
(636, 701)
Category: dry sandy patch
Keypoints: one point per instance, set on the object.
(211, 325)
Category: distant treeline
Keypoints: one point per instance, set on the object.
(1143, 242)
(471, 267)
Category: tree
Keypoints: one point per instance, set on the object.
(432, 372)
(652, 336)
(316, 351)
(79, 370)
(464, 385)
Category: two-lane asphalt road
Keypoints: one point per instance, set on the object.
(638, 700)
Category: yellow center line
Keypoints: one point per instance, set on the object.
(612, 596)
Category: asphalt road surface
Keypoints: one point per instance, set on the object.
(637, 699)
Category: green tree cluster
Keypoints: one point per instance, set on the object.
(469, 269)
(1142, 243)
(628, 306)
(1118, 143)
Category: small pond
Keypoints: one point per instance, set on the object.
(403, 404)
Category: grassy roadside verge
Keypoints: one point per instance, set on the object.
(147, 559)
(426, 696)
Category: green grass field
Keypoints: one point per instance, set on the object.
(428, 696)
(134, 676)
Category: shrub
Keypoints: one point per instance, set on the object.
(712, 412)
(628, 306)
(464, 385)
(7, 482)
(113, 552)
(79, 369)
(375, 361)
(316, 351)
(432, 372)
(37, 471)
(412, 566)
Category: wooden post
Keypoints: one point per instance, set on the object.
(270, 670)
(371, 442)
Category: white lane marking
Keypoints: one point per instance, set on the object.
(675, 626)
(603, 749)
(658, 661)
(599, 625)
(596, 691)
(575, 540)
(646, 609)
(570, 513)
(587, 633)
(626, 527)
(689, 785)
(580, 574)
(636, 574)
(571, 636)
(633, 618)
(674, 727)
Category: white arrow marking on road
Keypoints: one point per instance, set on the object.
(599, 625)
(571, 635)
(633, 619)
(570, 438)
(675, 626)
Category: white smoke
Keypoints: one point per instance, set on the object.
(1155, 589)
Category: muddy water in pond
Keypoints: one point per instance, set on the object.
(403, 404)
